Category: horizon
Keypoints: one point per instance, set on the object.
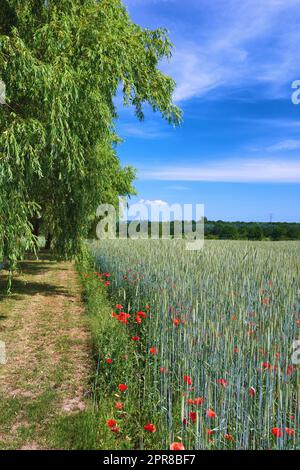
(220, 220)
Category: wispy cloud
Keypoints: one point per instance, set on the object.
(284, 145)
(242, 43)
(145, 130)
(178, 188)
(271, 122)
(233, 171)
(227, 43)
(281, 146)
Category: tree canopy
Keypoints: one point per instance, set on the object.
(63, 63)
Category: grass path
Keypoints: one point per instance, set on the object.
(44, 385)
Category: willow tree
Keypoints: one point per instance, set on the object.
(63, 62)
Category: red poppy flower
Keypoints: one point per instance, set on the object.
(108, 361)
(150, 427)
(290, 369)
(277, 432)
(289, 431)
(141, 314)
(229, 437)
(252, 392)
(176, 321)
(119, 307)
(177, 446)
(184, 421)
(210, 413)
(210, 432)
(107, 283)
(187, 379)
(163, 369)
(111, 423)
(119, 405)
(138, 320)
(115, 429)
(222, 382)
(123, 387)
(267, 366)
(153, 351)
(251, 332)
(193, 416)
(135, 338)
(147, 307)
(123, 317)
(198, 401)
(195, 401)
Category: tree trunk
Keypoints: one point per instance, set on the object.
(36, 226)
(48, 241)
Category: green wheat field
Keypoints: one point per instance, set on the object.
(212, 332)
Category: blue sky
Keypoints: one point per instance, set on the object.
(238, 149)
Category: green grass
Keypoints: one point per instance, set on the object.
(32, 396)
(39, 424)
(238, 304)
(27, 417)
(110, 341)
(35, 419)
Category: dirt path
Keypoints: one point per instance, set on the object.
(46, 376)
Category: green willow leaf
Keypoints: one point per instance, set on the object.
(63, 63)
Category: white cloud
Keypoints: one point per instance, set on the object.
(233, 171)
(157, 203)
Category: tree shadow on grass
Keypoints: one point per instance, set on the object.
(22, 288)
(34, 268)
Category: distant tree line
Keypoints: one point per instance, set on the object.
(252, 230)
(221, 230)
